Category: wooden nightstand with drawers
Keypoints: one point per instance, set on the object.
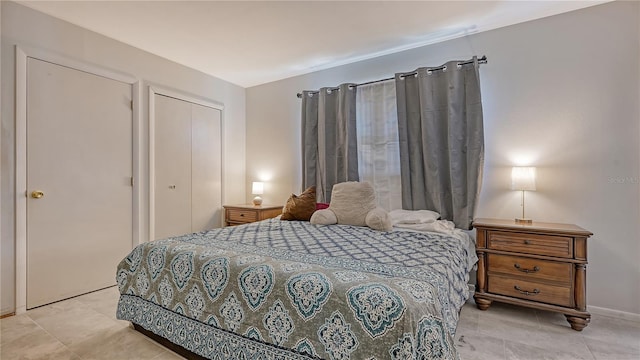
(244, 214)
(539, 265)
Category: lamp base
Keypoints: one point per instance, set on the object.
(524, 221)
(257, 201)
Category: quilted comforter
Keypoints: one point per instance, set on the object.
(292, 290)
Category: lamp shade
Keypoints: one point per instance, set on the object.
(257, 188)
(523, 178)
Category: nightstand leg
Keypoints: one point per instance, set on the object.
(578, 323)
(481, 275)
(581, 287)
(482, 304)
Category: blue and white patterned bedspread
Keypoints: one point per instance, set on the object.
(292, 290)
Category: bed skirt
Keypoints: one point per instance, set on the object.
(199, 338)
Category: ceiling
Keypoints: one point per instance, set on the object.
(254, 42)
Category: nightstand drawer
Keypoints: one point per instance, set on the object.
(550, 245)
(530, 268)
(237, 215)
(530, 290)
(245, 214)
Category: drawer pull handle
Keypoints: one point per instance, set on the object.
(528, 293)
(241, 215)
(526, 271)
(527, 242)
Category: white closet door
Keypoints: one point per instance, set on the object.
(206, 170)
(172, 167)
(79, 155)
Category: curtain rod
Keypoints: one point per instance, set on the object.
(482, 60)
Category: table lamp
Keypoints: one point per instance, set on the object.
(257, 189)
(523, 179)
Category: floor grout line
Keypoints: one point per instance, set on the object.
(26, 315)
(53, 336)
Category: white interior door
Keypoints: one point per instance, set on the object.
(172, 205)
(79, 156)
(206, 170)
(187, 167)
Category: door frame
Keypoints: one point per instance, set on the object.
(194, 99)
(23, 53)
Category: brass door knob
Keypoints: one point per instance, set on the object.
(37, 194)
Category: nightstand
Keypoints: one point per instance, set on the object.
(538, 265)
(244, 214)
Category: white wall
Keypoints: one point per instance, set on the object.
(560, 93)
(3, 278)
(26, 27)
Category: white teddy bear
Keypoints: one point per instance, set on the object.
(353, 203)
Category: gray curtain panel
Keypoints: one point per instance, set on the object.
(441, 140)
(329, 142)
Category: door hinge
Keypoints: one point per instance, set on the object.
(132, 181)
(131, 104)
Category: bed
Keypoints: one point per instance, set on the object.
(293, 290)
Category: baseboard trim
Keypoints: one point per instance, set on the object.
(7, 315)
(596, 310)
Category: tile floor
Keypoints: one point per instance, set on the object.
(512, 332)
(85, 327)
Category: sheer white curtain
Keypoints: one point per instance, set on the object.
(378, 144)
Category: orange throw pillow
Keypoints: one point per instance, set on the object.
(300, 207)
